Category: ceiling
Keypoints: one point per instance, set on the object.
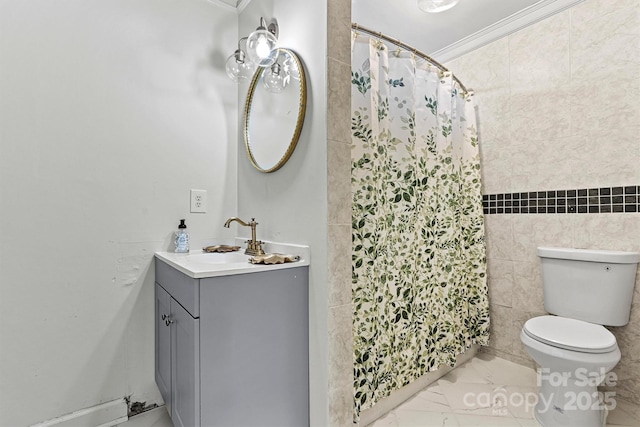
(481, 21)
(446, 35)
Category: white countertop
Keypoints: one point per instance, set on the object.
(199, 264)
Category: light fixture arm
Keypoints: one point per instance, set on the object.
(238, 66)
(272, 27)
(240, 53)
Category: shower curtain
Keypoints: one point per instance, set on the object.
(419, 271)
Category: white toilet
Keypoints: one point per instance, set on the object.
(584, 289)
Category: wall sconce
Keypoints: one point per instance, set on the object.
(261, 44)
(435, 6)
(260, 50)
(238, 66)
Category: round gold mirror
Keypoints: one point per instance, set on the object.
(274, 112)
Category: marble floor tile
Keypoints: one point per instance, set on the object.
(388, 420)
(528, 422)
(430, 399)
(476, 399)
(500, 371)
(408, 418)
(486, 391)
(520, 400)
(466, 373)
(475, 420)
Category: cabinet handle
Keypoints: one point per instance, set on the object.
(167, 319)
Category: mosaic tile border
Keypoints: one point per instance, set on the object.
(623, 199)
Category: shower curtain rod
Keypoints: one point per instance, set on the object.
(412, 49)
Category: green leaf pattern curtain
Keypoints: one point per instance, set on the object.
(419, 271)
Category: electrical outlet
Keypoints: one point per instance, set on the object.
(199, 201)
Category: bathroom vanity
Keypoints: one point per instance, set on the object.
(232, 340)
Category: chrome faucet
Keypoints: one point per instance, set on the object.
(254, 247)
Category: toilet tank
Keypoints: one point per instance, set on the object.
(591, 285)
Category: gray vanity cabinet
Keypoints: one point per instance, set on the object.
(177, 359)
(237, 349)
(163, 345)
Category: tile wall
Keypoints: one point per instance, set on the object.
(584, 200)
(559, 122)
(340, 321)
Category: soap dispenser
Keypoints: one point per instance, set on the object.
(182, 238)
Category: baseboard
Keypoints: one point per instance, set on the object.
(103, 415)
(396, 398)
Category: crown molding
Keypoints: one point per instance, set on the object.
(237, 5)
(242, 4)
(224, 4)
(530, 15)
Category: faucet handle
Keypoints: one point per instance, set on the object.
(254, 247)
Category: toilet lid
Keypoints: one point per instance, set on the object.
(570, 334)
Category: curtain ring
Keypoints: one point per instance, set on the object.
(468, 94)
(379, 43)
(444, 75)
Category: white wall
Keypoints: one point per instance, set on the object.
(291, 203)
(110, 111)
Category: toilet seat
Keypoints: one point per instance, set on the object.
(570, 334)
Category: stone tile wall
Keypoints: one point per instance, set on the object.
(558, 109)
(340, 345)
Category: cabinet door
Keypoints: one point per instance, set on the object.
(185, 364)
(163, 345)
(255, 349)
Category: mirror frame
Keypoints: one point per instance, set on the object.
(302, 107)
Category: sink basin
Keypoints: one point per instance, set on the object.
(200, 265)
(218, 258)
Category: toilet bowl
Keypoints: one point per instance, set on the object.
(574, 358)
(583, 290)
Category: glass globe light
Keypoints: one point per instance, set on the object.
(274, 80)
(435, 6)
(261, 45)
(237, 66)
